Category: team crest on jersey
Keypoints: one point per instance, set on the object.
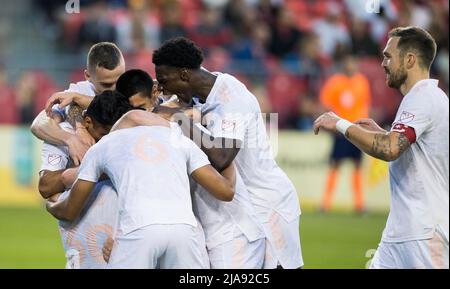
(406, 117)
(228, 125)
(54, 159)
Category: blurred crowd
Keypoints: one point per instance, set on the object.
(283, 50)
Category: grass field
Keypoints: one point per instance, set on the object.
(29, 239)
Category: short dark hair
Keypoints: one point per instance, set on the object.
(135, 81)
(107, 107)
(417, 40)
(103, 54)
(179, 52)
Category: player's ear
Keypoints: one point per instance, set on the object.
(87, 75)
(411, 59)
(185, 74)
(88, 122)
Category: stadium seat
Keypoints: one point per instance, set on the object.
(284, 92)
(9, 114)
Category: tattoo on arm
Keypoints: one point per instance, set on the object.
(403, 143)
(381, 146)
(75, 114)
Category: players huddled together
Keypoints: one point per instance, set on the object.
(178, 172)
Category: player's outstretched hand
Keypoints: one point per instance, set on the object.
(369, 124)
(61, 98)
(107, 248)
(326, 121)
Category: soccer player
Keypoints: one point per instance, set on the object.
(417, 149)
(84, 238)
(234, 237)
(105, 63)
(235, 131)
(348, 94)
(149, 167)
(139, 88)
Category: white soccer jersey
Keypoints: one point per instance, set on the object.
(231, 111)
(83, 238)
(419, 178)
(220, 219)
(149, 167)
(55, 158)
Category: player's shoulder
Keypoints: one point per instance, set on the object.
(83, 87)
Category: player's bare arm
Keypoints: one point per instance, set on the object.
(383, 145)
(63, 99)
(69, 208)
(220, 151)
(137, 118)
(48, 130)
(50, 183)
(69, 176)
(221, 186)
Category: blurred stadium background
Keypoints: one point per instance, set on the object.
(283, 50)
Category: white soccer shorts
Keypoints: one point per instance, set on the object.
(176, 246)
(421, 254)
(238, 253)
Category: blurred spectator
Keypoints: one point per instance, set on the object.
(171, 21)
(26, 92)
(8, 107)
(284, 34)
(333, 34)
(139, 25)
(235, 14)
(249, 54)
(211, 31)
(267, 11)
(348, 95)
(97, 26)
(362, 43)
(307, 63)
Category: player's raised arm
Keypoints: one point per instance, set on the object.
(383, 145)
(65, 98)
(220, 151)
(221, 186)
(139, 118)
(47, 129)
(70, 208)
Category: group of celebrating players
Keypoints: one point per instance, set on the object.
(179, 173)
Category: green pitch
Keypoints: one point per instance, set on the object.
(29, 238)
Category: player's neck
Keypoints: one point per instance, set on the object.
(412, 79)
(204, 81)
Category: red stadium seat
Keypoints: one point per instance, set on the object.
(9, 113)
(45, 88)
(284, 92)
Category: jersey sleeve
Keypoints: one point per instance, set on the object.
(92, 165)
(196, 157)
(53, 157)
(412, 115)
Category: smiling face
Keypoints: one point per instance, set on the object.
(393, 64)
(173, 80)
